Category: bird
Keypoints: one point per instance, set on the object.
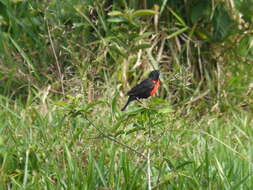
(144, 89)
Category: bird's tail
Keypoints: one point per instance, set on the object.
(128, 101)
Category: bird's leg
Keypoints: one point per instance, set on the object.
(142, 105)
(139, 100)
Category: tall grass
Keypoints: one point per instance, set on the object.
(65, 66)
(90, 150)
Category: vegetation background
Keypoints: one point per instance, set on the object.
(66, 65)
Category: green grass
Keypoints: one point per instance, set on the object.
(85, 150)
(66, 65)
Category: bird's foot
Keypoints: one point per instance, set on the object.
(138, 100)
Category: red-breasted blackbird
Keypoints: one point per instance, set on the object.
(145, 89)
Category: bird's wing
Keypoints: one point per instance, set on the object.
(144, 87)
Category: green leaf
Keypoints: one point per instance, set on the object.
(23, 54)
(100, 174)
(223, 24)
(116, 20)
(202, 35)
(69, 159)
(114, 104)
(122, 3)
(244, 46)
(116, 13)
(165, 110)
(141, 46)
(91, 105)
(236, 186)
(159, 105)
(76, 110)
(61, 103)
(177, 32)
(246, 9)
(135, 111)
(201, 10)
(77, 25)
(142, 36)
(180, 20)
(143, 12)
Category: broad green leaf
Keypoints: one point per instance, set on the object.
(116, 20)
(181, 21)
(202, 35)
(143, 36)
(143, 12)
(177, 32)
(61, 103)
(165, 110)
(116, 13)
(223, 24)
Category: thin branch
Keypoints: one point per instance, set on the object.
(198, 97)
(113, 138)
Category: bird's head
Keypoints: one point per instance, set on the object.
(154, 75)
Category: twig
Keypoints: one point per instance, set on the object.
(198, 97)
(113, 138)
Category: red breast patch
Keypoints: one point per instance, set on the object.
(156, 86)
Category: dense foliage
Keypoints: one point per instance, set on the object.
(65, 66)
